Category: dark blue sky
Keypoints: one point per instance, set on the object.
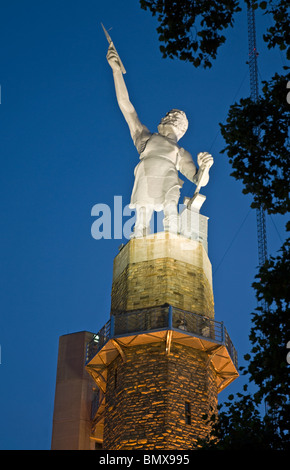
(65, 147)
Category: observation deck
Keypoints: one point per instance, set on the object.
(164, 324)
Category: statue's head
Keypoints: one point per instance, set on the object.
(175, 119)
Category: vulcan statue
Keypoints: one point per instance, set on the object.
(157, 184)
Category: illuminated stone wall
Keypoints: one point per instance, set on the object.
(146, 395)
(151, 272)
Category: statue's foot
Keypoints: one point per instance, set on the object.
(171, 224)
(173, 231)
(136, 235)
(140, 232)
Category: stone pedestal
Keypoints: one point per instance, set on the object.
(148, 388)
(163, 268)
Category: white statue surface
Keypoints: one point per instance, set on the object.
(157, 184)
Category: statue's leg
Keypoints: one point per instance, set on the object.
(171, 217)
(143, 218)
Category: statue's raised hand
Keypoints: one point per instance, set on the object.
(113, 59)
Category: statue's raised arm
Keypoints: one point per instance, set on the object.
(137, 129)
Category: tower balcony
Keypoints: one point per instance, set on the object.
(167, 325)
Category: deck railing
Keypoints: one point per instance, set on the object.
(161, 318)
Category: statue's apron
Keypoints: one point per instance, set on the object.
(156, 176)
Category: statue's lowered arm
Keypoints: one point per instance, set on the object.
(187, 167)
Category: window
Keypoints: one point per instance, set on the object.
(187, 413)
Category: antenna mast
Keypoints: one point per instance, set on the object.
(253, 66)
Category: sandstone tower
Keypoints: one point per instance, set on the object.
(147, 377)
(161, 359)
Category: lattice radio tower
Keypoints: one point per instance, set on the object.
(253, 66)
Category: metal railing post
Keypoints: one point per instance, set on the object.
(112, 326)
(170, 317)
(87, 352)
